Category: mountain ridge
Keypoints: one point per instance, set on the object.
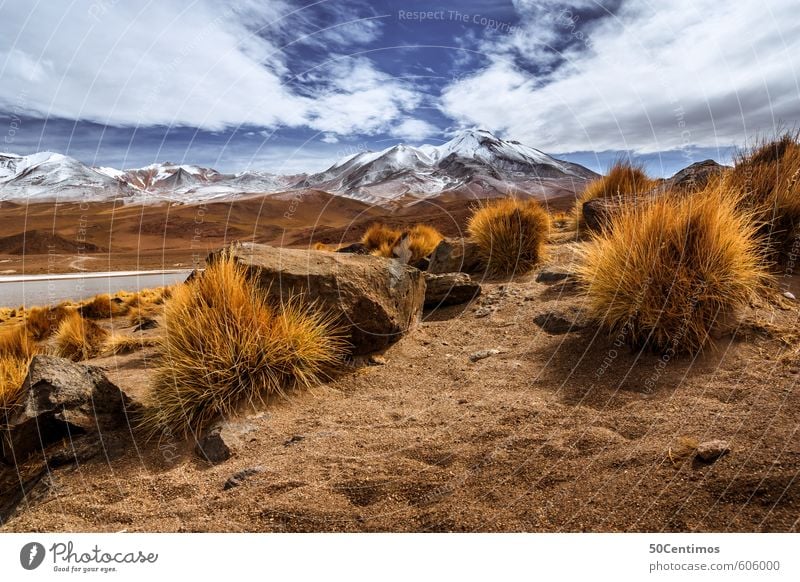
(472, 160)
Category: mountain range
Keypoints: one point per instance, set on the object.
(474, 162)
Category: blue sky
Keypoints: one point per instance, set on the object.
(291, 86)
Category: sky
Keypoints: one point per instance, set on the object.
(289, 86)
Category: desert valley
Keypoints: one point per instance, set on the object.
(473, 337)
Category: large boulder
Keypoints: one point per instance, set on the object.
(456, 255)
(61, 399)
(443, 289)
(377, 300)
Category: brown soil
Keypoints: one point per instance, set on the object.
(555, 433)
(116, 237)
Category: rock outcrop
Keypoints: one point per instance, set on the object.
(449, 289)
(376, 300)
(456, 255)
(62, 399)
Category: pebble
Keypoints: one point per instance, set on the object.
(483, 354)
(377, 360)
(239, 477)
(710, 451)
(789, 295)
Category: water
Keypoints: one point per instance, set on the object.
(16, 290)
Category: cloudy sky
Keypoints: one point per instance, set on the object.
(292, 85)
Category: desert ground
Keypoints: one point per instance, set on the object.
(70, 237)
(559, 430)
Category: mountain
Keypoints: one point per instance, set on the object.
(47, 176)
(474, 162)
(472, 158)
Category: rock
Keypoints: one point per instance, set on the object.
(483, 311)
(558, 323)
(553, 276)
(483, 354)
(710, 451)
(62, 399)
(354, 249)
(598, 212)
(222, 440)
(376, 300)
(789, 295)
(238, 478)
(456, 255)
(146, 323)
(696, 176)
(449, 289)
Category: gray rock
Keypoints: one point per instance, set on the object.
(222, 440)
(62, 399)
(443, 289)
(483, 354)
(296, 438)
(483, 312)
(376, 300)
(456, 255)
(710, 451)
(238, 478)
(789, 295)
(553, 276)
(558, 323)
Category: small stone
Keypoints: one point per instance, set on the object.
(552, 276)
(710, 451)
(376, 360)
(483, 354)
(238, 478)
(221, 440)
(789, 295)
(461, 401)
(482, 312)
(294, 439)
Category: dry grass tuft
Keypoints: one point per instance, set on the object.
(624, 180)
(103, 307)
(422, 240)
(669, 272)
(321, 246)
(125, 344)
(42, 322)
(17, 347)
(226, 346)
(768, 177)
(381, 236)
(510, 234)
(78, 338)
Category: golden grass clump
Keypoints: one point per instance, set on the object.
(624, 180)
(17, 347)
(321, 246)
(123, 344)
(78, 338)
(768, 177)
(225, 345)
(422, 240)
(667, 273)
(510, 234)
(42, 322)
(103, 307)
(380, 236)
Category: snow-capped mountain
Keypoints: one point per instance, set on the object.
(474, 160)
(46, 176)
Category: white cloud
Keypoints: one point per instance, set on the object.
(654, 77)
(360, 99)
(330, 138)
(414, 130)
(196, 64)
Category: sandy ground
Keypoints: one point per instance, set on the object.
(554, 433)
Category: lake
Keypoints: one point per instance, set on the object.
(32, 290)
